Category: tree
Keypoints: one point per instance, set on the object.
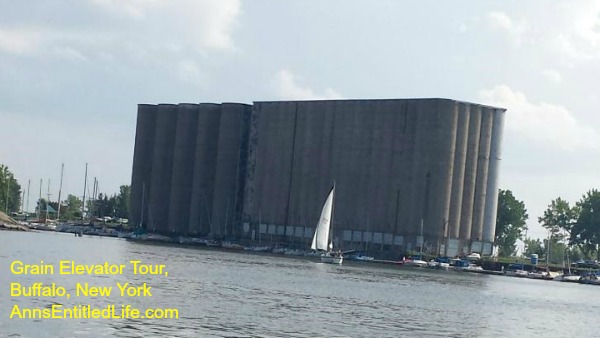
(533, 246)
(10, 191)
(586, 230)
(122, 202)
(73, 205)
(559, 218)
(510, 222)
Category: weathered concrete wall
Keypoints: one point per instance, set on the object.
(458, 175)
(445, 122)
(394, 163)
(466, 214)
(162, 164)
(491, 202)
(483, 161)
(225, 197)
(203, 177)
(183, 167)
(272, 167)
(142, 168)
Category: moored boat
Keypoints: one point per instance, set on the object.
(320, 240)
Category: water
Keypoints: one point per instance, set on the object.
(223, 294)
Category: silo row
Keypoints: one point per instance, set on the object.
(209, 168)
(455, 174)
(186, 168)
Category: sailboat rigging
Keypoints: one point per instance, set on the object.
(321, 240)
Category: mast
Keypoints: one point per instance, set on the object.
(39, 211)
(226, 219)
(23, 202)
(330, 245)
(27, 209)
(84, 188)
(548, 249)
(142, 212)
(367, 243)
(48, 201)
(422, 241)
(62, 168)
(7, 190)
(93, 198)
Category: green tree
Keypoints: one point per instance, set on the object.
(557, 251)
(122, 202)
(10, 191)
(559, 218)
(586, 230)
(510, 222)
(533, 246)
(73, 205)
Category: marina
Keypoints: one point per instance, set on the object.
(472, 263)
(277, 297)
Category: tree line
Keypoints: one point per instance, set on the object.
(12, 201)
(573, 229)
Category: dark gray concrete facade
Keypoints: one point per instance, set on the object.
(239, 171)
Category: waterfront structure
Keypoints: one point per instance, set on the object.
(409, 173)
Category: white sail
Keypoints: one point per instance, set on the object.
(321, 238)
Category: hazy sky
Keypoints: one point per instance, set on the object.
(73, 71)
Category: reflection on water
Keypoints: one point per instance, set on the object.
(223, 294)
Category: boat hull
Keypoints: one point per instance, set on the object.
(326, 258)
(417, 263)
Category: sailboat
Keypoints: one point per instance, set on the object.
(418, 261)
(320, 240)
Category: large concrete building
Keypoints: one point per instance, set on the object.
(408, 172)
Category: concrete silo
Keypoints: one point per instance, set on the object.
(142, 168)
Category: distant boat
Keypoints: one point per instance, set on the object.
(516, 270)
(417, 261)
(320, 240)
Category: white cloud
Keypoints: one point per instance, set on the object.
(552, 75)
(515, 29)
(287, 86)
(207, 23)
(155, 28)
(542, 122)
(17, 41)
(69, 53)
(189, 71)
(572, 32)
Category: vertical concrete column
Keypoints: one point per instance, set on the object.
(183, 167)
(203, 177)
(444, 165)
(491, 201)
(240, 185)
(142, 164)
(162, 165)
(392, 149)
(315, 144)
(458, 174)
(420, 166)
(406, 219)
(466, 213)
(383, 178)
(227, 162)
(250, 208)
(482, 173)
(326, 162)
(397, 189)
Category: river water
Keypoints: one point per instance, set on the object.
(225, 294)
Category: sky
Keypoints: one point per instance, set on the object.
(73, 71)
